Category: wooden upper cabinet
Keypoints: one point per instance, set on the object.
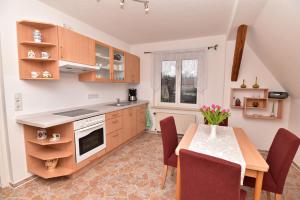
(75, 47)
(132, 68)
(118, 63)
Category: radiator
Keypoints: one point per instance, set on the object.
(182, 121)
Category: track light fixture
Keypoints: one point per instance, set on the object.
(145, 2)
(146, 5)
(122, 2)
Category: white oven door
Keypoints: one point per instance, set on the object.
(89, 141)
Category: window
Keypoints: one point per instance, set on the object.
(177, 77)
(168, 81)
(188, 86)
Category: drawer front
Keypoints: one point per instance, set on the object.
(113, 124)
(112, 140)
(113, 115)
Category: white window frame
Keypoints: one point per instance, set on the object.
(178, 104)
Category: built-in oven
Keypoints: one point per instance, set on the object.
(89, 137)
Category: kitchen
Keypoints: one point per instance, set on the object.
(91, 64)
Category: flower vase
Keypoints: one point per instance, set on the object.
(213, 132)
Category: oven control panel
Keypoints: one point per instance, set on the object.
(84, 123)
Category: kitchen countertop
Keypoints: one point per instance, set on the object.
(48, 119)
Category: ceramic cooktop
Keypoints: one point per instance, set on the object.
(75, 113)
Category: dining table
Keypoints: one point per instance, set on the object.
(256, 166)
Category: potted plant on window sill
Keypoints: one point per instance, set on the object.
(214, 115)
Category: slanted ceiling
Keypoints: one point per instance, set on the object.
(275, 37)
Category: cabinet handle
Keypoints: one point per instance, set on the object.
(115, 121)
(116, 135)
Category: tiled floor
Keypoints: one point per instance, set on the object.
(130, 173)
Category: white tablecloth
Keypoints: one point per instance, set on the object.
(225, 146)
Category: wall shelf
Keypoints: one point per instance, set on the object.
(49, 153)
(48, 142)
(39, 59)
(40, 44)
(57, 172)
(251, 96)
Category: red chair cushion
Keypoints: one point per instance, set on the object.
(208, 178)
(169, 139)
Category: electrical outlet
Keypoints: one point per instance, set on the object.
(93, 96)
(18, 102)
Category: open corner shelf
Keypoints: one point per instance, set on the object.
(48, 142)
(39, 44)
(49, 153)
(39, 59)
(38, 25)
(48, 44)
(39, 151)
(57, 172)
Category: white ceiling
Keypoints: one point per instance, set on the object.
(167, 20)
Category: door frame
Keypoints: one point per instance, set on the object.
(5, 175)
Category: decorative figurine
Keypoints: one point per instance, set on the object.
(255, 84)
(37, 36)
(255, 104)
(243, 85)
(237, 102)
(47, 74)
(45, 55)
(41, 134)
(31, 54)
(35, 74)
(51, 164)
(273, 110)
(55, 137)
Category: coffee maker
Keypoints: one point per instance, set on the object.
(132, 94)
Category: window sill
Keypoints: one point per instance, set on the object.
(176, 108)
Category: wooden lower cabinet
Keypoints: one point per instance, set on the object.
(120, 125)
(129, 127)
(113, 140)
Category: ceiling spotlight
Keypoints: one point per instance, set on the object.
(122, 2)
(146, 4)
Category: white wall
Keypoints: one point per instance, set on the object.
(294, 122)
(261, 132)
(38, 95)
(215, 60)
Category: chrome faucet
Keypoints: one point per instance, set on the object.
(118, 101)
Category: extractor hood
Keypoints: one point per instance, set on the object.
(71, 67)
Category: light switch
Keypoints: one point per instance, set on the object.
(18, 102)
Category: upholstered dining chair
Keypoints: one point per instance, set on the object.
(280, 158)
(170, 142)
(205, 177)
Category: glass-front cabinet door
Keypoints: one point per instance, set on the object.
(103, 61)
(118, 65)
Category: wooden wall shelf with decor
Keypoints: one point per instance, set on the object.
(39, 151)
(241, 93)
(26, 43)
(256, 104)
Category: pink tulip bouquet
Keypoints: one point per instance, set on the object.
(214, 114)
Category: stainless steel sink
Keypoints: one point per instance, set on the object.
(120, 104)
